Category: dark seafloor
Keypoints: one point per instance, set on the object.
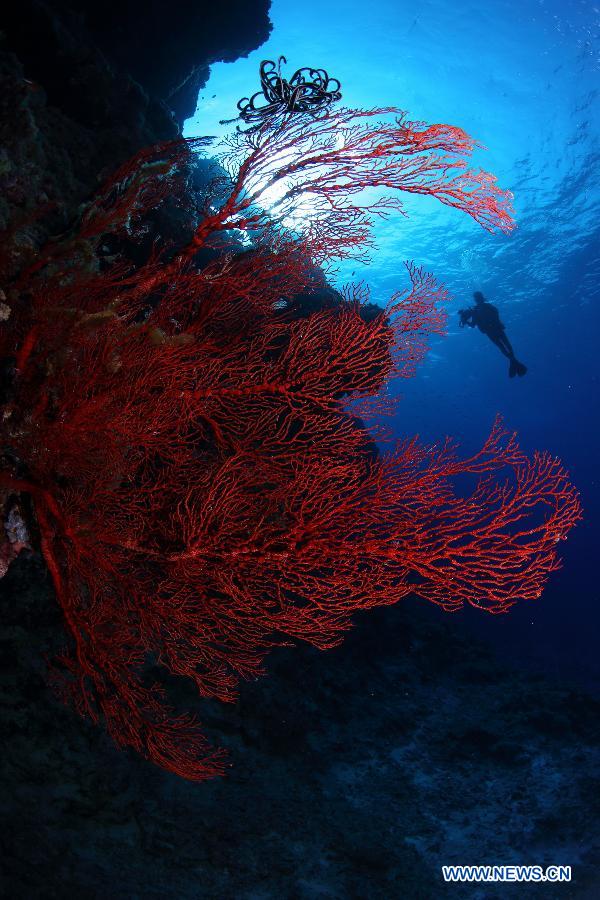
(355, 773)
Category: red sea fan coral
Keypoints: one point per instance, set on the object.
(201, 490)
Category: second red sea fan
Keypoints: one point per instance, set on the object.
(201, 489)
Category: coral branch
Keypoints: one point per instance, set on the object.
(286, 174)
(202, 491)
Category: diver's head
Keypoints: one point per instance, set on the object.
(479, 298)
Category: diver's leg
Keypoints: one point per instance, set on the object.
(516, 367)
(507, 344)
(505, 347)
(495, 339)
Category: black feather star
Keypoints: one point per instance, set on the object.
(307, 91)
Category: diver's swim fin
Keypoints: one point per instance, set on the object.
(516, 368)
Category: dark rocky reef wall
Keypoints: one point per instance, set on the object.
(84, 86)
(168, 48)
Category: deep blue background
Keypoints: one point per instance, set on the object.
(522, 79)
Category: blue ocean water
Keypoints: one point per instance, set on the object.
(523, 80)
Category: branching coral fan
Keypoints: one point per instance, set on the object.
(201, 490)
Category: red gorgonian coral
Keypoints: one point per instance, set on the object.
(184, 430)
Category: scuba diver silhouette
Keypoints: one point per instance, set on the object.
(486, 317)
